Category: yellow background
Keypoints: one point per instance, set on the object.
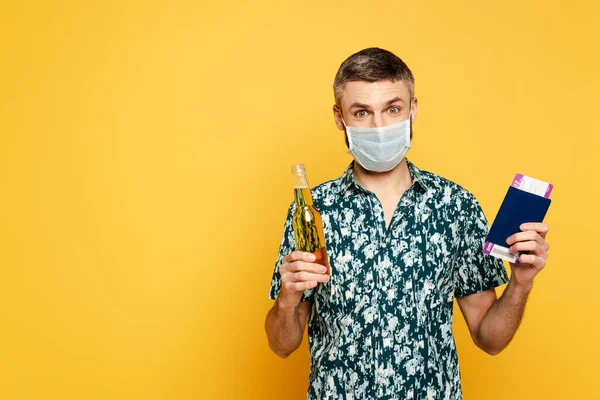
(145, 180)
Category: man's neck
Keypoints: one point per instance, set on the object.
(384, 184)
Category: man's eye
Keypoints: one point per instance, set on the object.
(361, 113)
(393, 110)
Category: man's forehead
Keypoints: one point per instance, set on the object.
(374, 92)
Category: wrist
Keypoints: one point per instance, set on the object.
(285, 304)
(521, 287)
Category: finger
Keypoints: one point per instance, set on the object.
(530, 246)
(300, 286)
(298, 266)
(526, 236)
(304, 276)
(536, 261)
(539, 227)
(299, 256)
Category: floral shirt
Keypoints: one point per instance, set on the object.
(381, 328)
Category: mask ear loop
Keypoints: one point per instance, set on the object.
(410, 122)
(350, 145)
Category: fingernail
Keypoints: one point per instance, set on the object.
(523, 227)
(508, 241)
(322, 269)
(312, 257)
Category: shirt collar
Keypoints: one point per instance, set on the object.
(418, 176)
(347, 180)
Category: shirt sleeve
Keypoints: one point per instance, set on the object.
(475, 271)
(288, 245)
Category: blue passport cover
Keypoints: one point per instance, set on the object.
(517, 208)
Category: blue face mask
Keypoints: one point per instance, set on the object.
(379, 149)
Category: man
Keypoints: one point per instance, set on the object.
(402, 244)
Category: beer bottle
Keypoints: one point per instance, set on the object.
(306, 221)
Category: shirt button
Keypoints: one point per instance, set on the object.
(383, 245)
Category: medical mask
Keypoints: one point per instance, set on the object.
(379, 149)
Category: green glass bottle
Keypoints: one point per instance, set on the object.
(306, 221)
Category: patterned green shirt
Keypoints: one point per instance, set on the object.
(381, 328)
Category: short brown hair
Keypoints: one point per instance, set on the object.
(372, 65)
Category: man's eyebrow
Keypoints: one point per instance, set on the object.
(366, 106)
(360, 105)
(395, 99)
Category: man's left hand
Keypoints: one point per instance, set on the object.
(533, 248)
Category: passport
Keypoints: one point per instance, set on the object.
(527, 200)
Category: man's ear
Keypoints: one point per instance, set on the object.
(413, 109)
(337, 116)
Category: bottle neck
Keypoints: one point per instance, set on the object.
(302, 194)
(302, 197)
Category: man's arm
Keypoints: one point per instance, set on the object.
(285, 326)
(493, 322)
(286, 320)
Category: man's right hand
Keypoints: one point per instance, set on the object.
(299, 273)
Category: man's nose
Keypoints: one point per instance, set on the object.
(377, 120)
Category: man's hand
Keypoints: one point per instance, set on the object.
(531, 242)
(286, 321)
(492, 322)
(299, 273)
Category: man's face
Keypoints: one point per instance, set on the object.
(374, 104)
